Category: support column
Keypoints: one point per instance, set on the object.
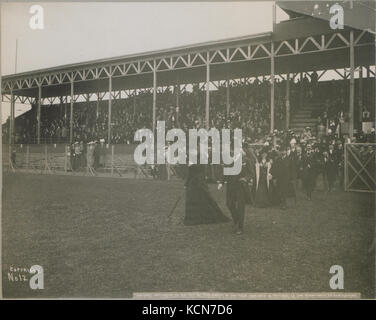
(65, 110)
(154, 94)
(61, 106)
(227, 97)
(109, 109)
(38, 112)
(71, 113)
(288, 101)
(351, 101)
(27, 156)
(134, 103)
(301, 89)
(177, 88)
(274, 14)
(11, 122)
(272, 87)
(207, 104)
(97, 111)
(360, 96)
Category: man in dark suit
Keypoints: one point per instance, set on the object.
(341, 164)
(308, 173)
(282, 176)
(293, 158)
(238, 195)
(330, 167)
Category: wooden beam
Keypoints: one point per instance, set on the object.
(227, 97)
(71, 112)
(288, 101)
(11, 122)
(207, 104)
(109, 109)
(154, 95)
(39, 112)
(351, 111)
(272, 76)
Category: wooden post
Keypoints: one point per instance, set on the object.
(301, 90)
(71, 112)
(65, 158)
(227, 97)
(46, 166)
(288, 101)
(274, 14)
(360, 96)
(112, 159)
(10, 149)
(39, 112)
(177, 88)
(11, 122)
(61, 106)
(27, 156)
(351, 111)
(65, 110)
(154, 95)
(346, 166)
(109, 109)
(272, 75)
(207, 104)
(134, 102)
(97, 106)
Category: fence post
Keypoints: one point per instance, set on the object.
(45, 157)
(87, 162)
(346, 167)
(27, 156)
(10, 157)
(112, 160)
(65, 158)
(168, 169)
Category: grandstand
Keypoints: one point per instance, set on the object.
(302, 74)
(127, 234)
(281, 61)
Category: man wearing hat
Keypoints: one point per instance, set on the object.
(90, 157)
(238, 194)
(330, 167)
(77, 155)
(318, 164)
(307, 133)
(308, 176)
(293, 159)
(281, 174)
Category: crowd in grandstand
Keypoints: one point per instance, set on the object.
(307, 155)
(249, 109)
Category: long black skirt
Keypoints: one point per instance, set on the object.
(200, 207)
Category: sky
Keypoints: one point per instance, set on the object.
(76, 32)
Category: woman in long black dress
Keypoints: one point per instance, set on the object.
(200, 207)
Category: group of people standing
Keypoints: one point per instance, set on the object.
(269, 176)
(87, 156)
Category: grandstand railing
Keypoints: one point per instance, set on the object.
(113, 160)
(359, 167)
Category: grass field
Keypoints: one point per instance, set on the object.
(108, 237)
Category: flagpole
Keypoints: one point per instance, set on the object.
(16, 58)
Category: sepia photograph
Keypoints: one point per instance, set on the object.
(172, 150)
